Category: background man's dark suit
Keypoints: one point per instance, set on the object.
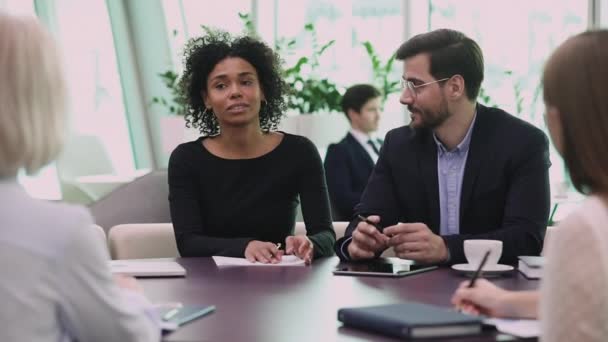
(347, 169)
(505, 188)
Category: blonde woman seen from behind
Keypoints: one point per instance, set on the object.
(56, 283)
(572, 303)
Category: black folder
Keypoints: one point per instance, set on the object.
(411, 320)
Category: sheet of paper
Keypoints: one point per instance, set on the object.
(286, 260)
(517, 327)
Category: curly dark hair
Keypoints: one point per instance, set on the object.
(200, 57)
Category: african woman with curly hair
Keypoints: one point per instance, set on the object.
(234, 191)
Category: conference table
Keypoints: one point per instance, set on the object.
(299, 303)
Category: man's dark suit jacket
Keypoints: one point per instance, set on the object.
(505, 188)
(347, 169)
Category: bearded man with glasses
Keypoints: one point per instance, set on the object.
(458, 171)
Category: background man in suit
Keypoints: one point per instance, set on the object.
(349, 163)
(458, 171)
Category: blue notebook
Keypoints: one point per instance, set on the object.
(411, 320)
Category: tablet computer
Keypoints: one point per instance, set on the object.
(381, 269)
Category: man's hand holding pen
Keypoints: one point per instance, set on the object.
(416, 241)
(413, 241)
(367, 239)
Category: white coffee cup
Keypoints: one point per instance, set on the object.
(474, 250)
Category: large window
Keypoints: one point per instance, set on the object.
(97, 109)
(95, 95)
(349, 23)
(18, 7)
(185, 18)
(45, 183)
(99, 155)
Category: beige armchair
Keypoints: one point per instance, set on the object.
(339, 228)
(145, 200)
(143, 240)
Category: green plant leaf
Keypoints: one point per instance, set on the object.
(324, 47)
(381, 71)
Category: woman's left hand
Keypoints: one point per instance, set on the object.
(300, 246)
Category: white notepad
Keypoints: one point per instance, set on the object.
(286, 260)
(147, 268)
(523, 328)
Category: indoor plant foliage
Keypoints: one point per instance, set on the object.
(310, 92)
(174, 104)
(382, 71)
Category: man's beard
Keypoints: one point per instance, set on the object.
(429, 119)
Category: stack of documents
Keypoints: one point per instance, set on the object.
(147, 268)
(531, 266)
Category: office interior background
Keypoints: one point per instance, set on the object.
(122, 118)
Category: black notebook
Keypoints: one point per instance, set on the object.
(410, 320)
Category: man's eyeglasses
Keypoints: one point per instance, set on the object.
(413, 87)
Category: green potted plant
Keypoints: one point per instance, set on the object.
(311, 92)
(173, 126)
(382, 72)
(173, 104)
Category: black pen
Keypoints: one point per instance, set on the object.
(370, 222)
(478, 271)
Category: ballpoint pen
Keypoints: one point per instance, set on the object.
(362, 218)
(278, 254)
(479, 271)
(476, 275)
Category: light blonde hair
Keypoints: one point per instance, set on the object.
(575, 81)
(32, 96)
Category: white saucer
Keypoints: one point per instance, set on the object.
(469, 269)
